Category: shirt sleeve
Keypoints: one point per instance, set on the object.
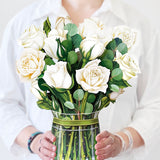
(12, 98)
(146, 119)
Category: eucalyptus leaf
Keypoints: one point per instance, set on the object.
(72, 29)
(111, 45)
(72, 57)
(118, 41)
(91, 98)
(69, 105)
(76, 39)
(114, 88)
(88, 108)
(122, 48)
(107, 54)
(117, 74)
(115, 64)
(47, 26)
(67, 44)
(107, 63)
(78, 94)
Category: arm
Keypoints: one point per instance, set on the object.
(110, 145)
(145, 124)
(42, 145)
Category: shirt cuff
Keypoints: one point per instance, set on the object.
(9, 140)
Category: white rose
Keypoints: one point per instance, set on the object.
(98, 47)
(61, 22)
(35, 88)
(127, 65)
(115, 95)
(91, 27)
(31, 64)
(33, 38)
(125, 33)
(93, 78)
(57, 76)
(50, 46)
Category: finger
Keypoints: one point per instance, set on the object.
(47, 152)
(50, 136)
(105, 156)
(102, 135)
(44, 143)
(105, 150)
(104, 142)
(45, 157)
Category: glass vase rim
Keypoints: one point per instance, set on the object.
(75, 113)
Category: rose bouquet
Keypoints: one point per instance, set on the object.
(75, 72)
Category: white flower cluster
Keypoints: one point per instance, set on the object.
(92, 78)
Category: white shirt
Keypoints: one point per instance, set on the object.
(138, 107)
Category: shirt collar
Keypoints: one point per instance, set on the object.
(47, 7)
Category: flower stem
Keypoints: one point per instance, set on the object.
(84, 102)
(81, 144)
(67, 157)
(87, 146)
(61, 151)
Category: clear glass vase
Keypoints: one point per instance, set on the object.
(75, 135)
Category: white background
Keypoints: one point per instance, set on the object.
(9, 8)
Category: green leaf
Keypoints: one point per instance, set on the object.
(126, 83)
(49, 61)
(72, 29)
(72, 57)
(118, 41)
(88, 54)
(41, 86)
(76, 39)
(111, 45)
(67, 44)
(121, 83)
(78, 94)
(69, 105)
(60, 90)
(122, 48)
(117, 74)
(72, 85)
(114, 88)
(44, 105)
(108, 54)
(105, 101)
(55, 104)
(47, 26)
(91, 98)
(115, 64)
(88, 108)
(66, 119)
(107, 63)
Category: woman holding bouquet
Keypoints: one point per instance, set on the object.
(129, 127)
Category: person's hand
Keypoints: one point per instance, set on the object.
(108, 145)
(43, 146)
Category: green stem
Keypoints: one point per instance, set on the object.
(70, 143)
(84, 62)
(74, 150)
(61, 151)
(81, 143)
(87, 146)
(84, 102)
